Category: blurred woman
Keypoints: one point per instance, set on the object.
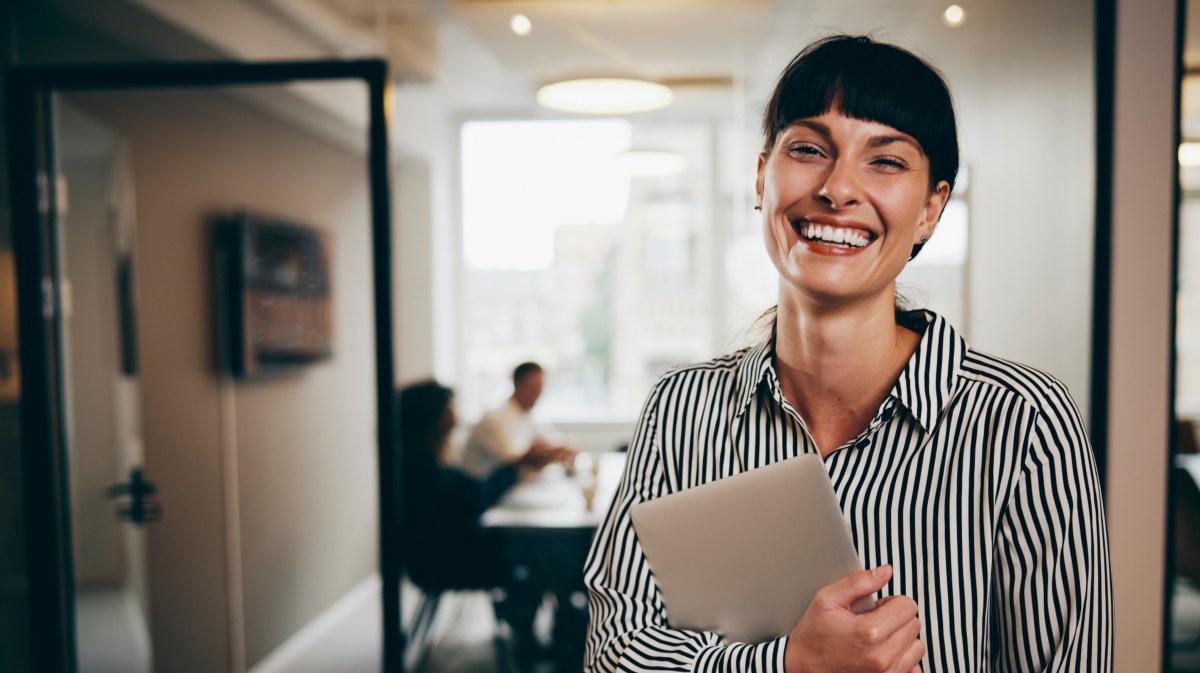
(446, 547)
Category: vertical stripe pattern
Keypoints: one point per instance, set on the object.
(975, 480)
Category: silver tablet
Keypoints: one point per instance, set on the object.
(743, 556)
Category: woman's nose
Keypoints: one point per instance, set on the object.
(840, 189)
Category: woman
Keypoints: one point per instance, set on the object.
(447, 547)
(967, 480)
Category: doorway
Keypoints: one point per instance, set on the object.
(204, 283)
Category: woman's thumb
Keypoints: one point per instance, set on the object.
(857, 584)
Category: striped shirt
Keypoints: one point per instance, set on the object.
(974, 479)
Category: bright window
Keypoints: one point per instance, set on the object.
(611, 250)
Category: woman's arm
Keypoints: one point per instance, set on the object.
(628, 629)
(495, 485)
(1052, 589)
(458, 497)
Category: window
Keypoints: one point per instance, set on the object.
(611, 250)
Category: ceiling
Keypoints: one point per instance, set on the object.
(676, 41)
(466, 50)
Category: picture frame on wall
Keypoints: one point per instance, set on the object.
(274, 307)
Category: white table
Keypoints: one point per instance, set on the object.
(553, 501)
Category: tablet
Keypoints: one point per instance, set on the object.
(745, 555)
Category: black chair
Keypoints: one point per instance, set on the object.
(420, 642)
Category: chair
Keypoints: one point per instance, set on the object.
(419, 642)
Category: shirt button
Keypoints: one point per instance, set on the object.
(862, 443)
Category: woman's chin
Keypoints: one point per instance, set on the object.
(835, 291)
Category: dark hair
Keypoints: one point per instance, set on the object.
(421, 407)
(869, 80)
(525, 369)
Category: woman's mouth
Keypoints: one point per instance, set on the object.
(837, 237)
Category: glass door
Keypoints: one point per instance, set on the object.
(202, 254)
(1183, 526)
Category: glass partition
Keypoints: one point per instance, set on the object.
(1183, 526)
(219, 395)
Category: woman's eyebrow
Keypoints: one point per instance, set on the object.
(874, 142)
(881, 141)
(814, 126)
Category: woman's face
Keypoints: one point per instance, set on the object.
(449, 417)
(447, 423)
(843, 202)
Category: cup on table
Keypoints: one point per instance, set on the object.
(587, 467)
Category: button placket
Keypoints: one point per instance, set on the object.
(808, 445)
(886, 413)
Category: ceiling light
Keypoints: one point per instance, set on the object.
(604, 95)
(1189, 154)
(954, 16)
(649, 163)
(520, 24)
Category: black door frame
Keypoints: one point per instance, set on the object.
(46, 511)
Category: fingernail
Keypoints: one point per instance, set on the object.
(882, 570)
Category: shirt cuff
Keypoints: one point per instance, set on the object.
(765, 657)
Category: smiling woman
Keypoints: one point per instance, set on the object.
(835, 189)
(967, 480)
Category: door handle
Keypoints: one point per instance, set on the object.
(140, 507)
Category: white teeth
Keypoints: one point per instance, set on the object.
(838, 235)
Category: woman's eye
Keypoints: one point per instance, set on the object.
(890, 163)
(805, 150)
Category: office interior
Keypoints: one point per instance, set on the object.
(520, 232)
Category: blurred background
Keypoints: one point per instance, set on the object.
(607, 245)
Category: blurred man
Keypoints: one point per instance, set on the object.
(505, 434)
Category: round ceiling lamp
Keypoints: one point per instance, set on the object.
(520, 24)
(954, 16)
(605, 95)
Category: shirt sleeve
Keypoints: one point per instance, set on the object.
(459, 498)
(487, 446)
(1051, 578)
(628, 630)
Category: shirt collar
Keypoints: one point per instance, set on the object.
(751, 371)
(927, 383)
(515, 409)
(925, 386)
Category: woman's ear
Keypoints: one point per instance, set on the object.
(934, 205)
(758, 182)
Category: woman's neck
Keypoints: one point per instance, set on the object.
(836, 365)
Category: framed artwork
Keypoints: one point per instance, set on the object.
(274, 305)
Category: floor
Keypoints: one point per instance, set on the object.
(462, 636)
(109, 637)
(110, 632)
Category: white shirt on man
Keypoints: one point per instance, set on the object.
(502, 436)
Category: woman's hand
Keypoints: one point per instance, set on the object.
(830, 638)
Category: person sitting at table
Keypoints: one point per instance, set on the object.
(448, 548)
(506, 433)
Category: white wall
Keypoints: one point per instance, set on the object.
(413, 275)
(231, 585)
(1027, 122)
(425, 133)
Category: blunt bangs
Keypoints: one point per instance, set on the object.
(874, 82)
